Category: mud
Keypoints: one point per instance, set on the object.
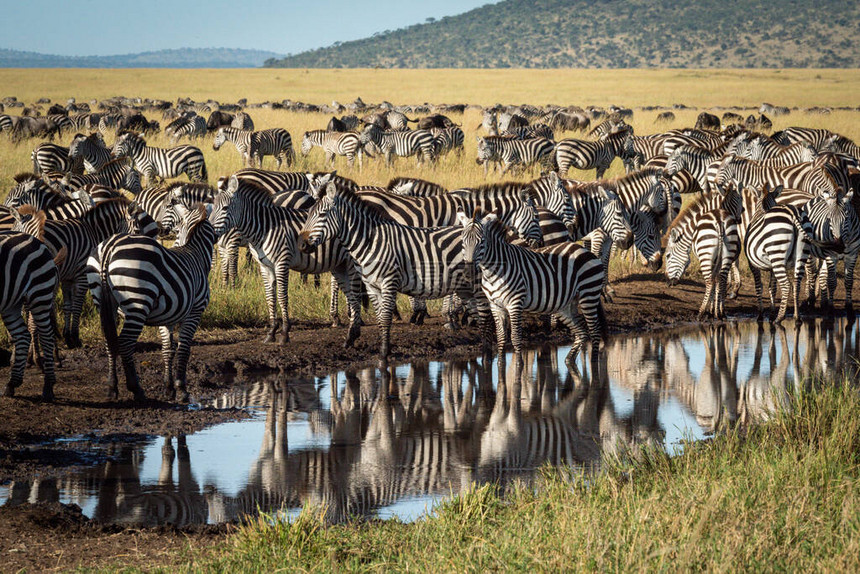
(43, 537)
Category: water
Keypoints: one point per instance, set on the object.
(387, 444)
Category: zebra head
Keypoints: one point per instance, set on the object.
(370, 134)
(131, 181)
(676, 255)
(220, 139)
(324, 219)
(307, 144)
(658, 196)
(139, 222)
(647, 238)
(126, 144)
(221, 216)
(526, 221)
(614, 219)
(472, 239)
(486, 151)
(553, 195)
(190, 221)
(75, 146)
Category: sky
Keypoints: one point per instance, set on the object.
(108, 27)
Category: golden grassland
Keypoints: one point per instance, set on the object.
(636, 88)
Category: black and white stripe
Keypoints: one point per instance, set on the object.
(52, 157)
(334, 144)
(192, 127)
(563, 279)
(159, 163)
(449, 139)
(153, 285)
(585, 155)
(515, 153)
(117, 174)
(400, 143)
(30, 282)
(91, 149)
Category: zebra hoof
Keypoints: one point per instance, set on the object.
(269, 338)
(139, 397)
(283, 339)
(182, 396)
(112, 395)
(48, 395)
(451, 326)
(9, 391)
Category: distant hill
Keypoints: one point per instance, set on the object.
(614, 34)
(181, 58)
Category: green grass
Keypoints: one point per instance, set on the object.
(780, 496)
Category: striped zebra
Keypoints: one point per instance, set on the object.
(153, 285)
(640, 149)
(400, 143)
(596, 207)
(563, 279)
(715, 238)
(333, 144)
(530, 131)
(79, 238)
(29, 281)
(611, 125)
(585, 155)
(697, 138)
(767, 151)
(118, 173)
(393, 258)
(515, 153)
(91, 149)
(449, 139)
(272, 232)
(810, 177)
(153, 162)
(821, 139)
(702, 163)
(192, 127)
(252, 146)
(52, 157)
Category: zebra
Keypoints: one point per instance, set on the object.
(92, 149)
(641, 149)
(715, 238)
(79, 238)
(153, 285)
(393, 258)
(404, 144)
(252, 146)
(512, 152)
(819, 138)
(192, 127)
(585, 155)
(778, 238)
(447, 140)
(30, 281)
(272, 232)
(334, 143)
(530, 131)
(161, 163)
(560, 279)
(812, 177)
(596, 207)
(52, 157)
(188, 194)
(118, 173)
(698, 161)
(768, 152)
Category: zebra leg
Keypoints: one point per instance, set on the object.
(850, 263)
(269, 284)
(14, 321)
(282, 277)
(127, 341)
(781, 276)
(499, 316)
(167, 353)
(798, 281)
(722, 285)
(79, 293)
(183, 352)
(67, 288)
(706, 300)
(419, 310)
(758, 291)
(386, 300)
(350, 284)
(735, 282)
(317, 281)
(333, 302)
(46, 336)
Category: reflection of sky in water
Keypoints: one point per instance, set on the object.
(666, 376)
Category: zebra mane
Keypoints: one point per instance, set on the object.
(349, 195)
(252, 191)
(505, 138)
(190, 186)
(37, 223)
(125, 132)
(115, 161)
(697, 205)
(401, 180)
(495, 226)
(24, 177)
(314, 132)
(340, 181)
(501, 188)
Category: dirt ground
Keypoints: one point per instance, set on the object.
(45, 537)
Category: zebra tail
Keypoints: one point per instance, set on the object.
(107, 312)
(204, 172)
(36, 169)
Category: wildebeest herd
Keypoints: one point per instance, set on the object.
(93, 217)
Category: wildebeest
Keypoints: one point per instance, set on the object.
(707, 121)
(665, 117)
(436, 121)
(242, 121)
(218, 119)
(731, 118)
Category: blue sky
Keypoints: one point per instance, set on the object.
(101, 27)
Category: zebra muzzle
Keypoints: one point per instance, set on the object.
(306, 244)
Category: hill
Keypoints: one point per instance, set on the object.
(180, 58)
(613, 34)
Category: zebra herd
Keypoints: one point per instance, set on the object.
(492, 251)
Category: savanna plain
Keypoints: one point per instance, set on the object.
(780, 495)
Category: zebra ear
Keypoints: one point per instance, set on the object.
(180, 210)
(489, 218)
(232, 184)
(462, 218)
(776, 191)
(330, 189)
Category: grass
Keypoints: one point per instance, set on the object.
(780, 496)
(246, 306)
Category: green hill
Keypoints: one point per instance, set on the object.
(613, 34)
